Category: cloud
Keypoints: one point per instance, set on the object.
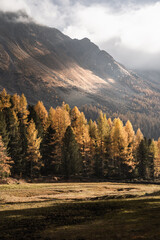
(127, 29)
(14, 5)
(131, 35)
(137, 29)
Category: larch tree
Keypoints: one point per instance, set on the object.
(119, 147)
(42, 114)
(103, 134)
(51, 117)
(130, 145)
(103, 130)
(81, 131)
(4, 100)
(93, 133)
(157, 162)
(60, 122)
(3, 128)
(5, 161)
(33, 156)
(22, 109)
(137, 140)
(153, 155)
(15, 100)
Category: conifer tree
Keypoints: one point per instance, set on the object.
(103, 130)
(66, 107)
(51, 115)
(5, 161)
(71, 161)
(15, 144)
(3, 128)
(22, 109)
(4, 100)
(103, 135)
(110, 123)
(93, 130)
(157, 160)
(93, 134)
(41, 113)
(48, 151)
(137, 140)
(15, 101)
(130, 146)
(33, 115)
(81, 131)
(22, 114)
(142, 157)
(60, 122)
(108, 168)
(153, 155)
(33, 156)
(119, 146)
(98, 162)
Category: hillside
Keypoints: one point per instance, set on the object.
(47, 65)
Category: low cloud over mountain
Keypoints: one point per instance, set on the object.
(47, 65)
(127, 29)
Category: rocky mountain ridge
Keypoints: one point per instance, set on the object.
(47, 65)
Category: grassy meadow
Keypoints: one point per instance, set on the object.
(80, 211)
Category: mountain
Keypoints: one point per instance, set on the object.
(47, 65)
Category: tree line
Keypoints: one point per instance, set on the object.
(35, 142)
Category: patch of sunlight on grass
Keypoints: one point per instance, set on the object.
(128, 211)
(153, 203)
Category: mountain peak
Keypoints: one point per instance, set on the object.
(47, 65)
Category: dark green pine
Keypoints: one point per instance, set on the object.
(71, 160)
(48, 151)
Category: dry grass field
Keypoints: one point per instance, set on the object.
(80, 211)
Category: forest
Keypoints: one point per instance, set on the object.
(60, 142)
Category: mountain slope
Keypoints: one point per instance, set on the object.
(47, 65)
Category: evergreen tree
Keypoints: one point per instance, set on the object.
(98, 162)
(71, 161)
(15, 144)
(48, 152)
(142, 157)
(22, 114)
(39, 125)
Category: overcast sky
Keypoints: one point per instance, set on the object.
(128, 29)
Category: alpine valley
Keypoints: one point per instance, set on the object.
(47, 65)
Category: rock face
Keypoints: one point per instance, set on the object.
(47, 65)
